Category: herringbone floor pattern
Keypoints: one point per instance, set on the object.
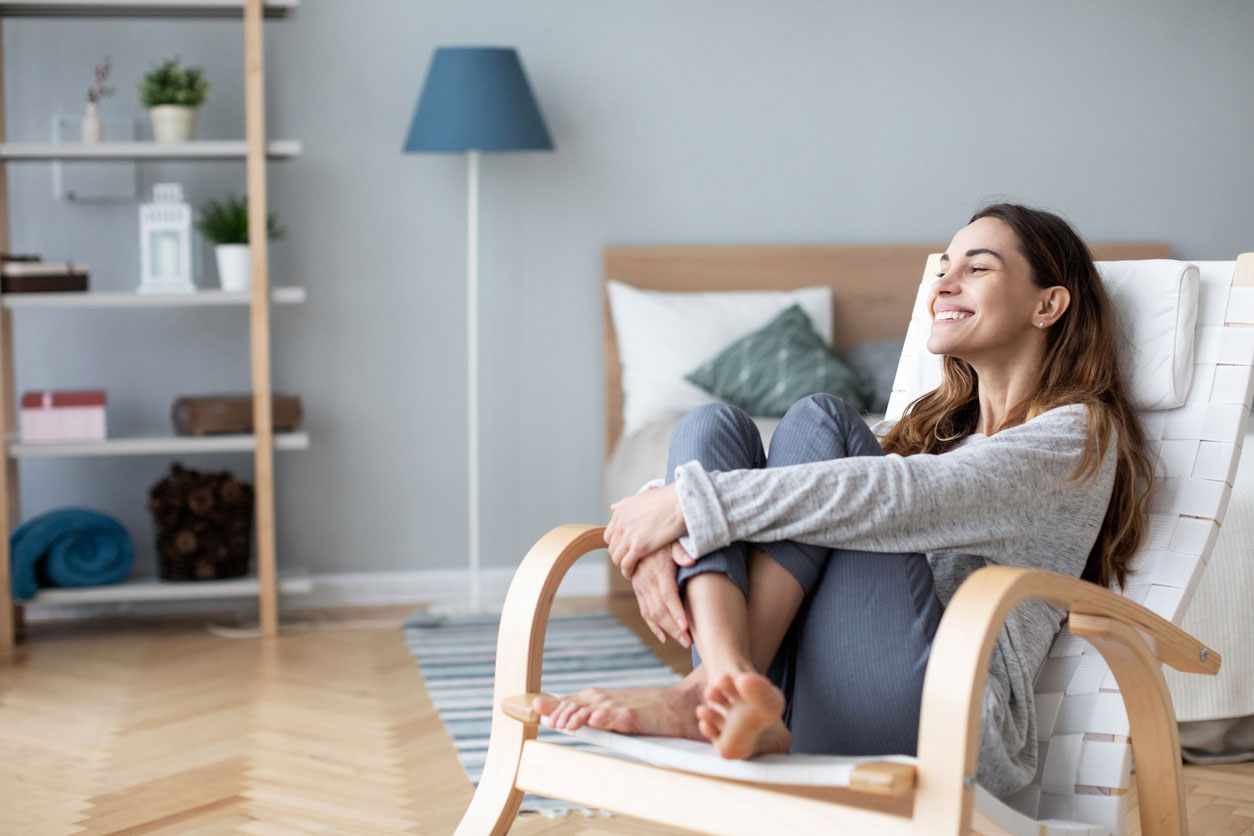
(157, 727)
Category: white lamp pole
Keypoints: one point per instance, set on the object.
(475, 99)
(472, 353)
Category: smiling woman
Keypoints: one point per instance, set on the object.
(813, 579)
(1039, 329)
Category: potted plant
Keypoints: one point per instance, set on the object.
(91, 128)
(225, 223)
(172, 94)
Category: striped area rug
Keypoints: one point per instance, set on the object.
(456, 657)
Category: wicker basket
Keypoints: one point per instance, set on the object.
(204, 525)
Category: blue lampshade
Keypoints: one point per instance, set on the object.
(477, 99)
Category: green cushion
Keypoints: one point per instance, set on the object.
(767, 371)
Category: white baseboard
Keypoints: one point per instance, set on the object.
(437, 587)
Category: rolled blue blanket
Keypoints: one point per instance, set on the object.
(68, 547)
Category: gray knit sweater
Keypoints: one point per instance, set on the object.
(1003, 499)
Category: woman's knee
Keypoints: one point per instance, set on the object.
(820, 427)
(715, 419)
(720, 436)
(822, 407)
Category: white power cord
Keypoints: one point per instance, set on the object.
(319, 625)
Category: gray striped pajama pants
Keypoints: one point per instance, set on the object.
(851, 665)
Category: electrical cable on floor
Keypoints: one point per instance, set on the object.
(292, 627)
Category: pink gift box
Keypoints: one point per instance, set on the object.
(49, 417)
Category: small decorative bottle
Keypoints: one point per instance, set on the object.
(92, 131)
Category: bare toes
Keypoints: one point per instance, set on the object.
(718, 699)
(578, 718)
(712, 719)
(708, 731)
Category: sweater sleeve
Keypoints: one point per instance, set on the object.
(972, 499)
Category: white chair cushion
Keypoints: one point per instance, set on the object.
(664, 335)
(1155, 302)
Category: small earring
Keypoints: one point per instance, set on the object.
(1040, 325)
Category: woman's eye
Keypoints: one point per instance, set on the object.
(978, 269)
(940, 275)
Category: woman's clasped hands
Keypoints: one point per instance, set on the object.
(643, 542)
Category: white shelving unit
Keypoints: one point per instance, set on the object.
(254, 150)
(203, 9)
(122, 299)
(174, 445)
(136, 590)
(204, 149)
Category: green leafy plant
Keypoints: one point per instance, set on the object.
(169, 84)
(226, 222)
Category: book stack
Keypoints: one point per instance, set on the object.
(30, 274)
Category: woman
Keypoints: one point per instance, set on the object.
(821, 571)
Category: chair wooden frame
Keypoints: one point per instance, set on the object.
(935, 796)
(939, 800)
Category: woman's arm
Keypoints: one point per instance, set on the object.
(973, 499)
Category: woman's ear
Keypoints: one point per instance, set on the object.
(1053, 304)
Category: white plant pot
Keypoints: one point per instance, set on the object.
(234, 267)
(92, 131)
(173, 123)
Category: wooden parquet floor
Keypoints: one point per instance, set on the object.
(160, 728)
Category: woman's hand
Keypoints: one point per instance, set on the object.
(642, 524)
(657, 594)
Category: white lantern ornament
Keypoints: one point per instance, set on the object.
(165, 242)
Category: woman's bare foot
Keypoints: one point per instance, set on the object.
(742, 715)
(665, 712)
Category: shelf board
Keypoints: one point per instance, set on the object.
(158, 445)
(197, 149)
(154, 589)
(125, 299)
(140, 8)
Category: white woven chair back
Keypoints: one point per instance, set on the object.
(1083, 772)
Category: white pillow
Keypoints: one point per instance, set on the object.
(664, 335)
(1155, 302)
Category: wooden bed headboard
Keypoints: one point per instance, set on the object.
(873, 287)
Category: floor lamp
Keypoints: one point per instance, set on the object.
(475, 100)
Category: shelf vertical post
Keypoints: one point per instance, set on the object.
(9, 503)
(259, 316)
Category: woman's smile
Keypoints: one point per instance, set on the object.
(947, 314)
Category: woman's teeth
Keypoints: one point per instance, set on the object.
(952, 315)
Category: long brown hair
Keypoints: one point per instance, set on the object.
(1080, 367)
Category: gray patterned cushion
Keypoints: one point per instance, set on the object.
(767, 371)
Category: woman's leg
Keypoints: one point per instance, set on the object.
(817, 428)
(721, 437)
(862, 648)
(853, 663)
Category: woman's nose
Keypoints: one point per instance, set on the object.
(943, 286)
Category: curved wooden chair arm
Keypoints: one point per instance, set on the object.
(520, 643)
(519, 654)
(1133, 641)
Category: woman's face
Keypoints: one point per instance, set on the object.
(983, 301)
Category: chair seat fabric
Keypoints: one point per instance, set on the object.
(802, 770)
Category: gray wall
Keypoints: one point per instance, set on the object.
(706, 121)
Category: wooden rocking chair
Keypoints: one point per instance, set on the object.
(1100, 696)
